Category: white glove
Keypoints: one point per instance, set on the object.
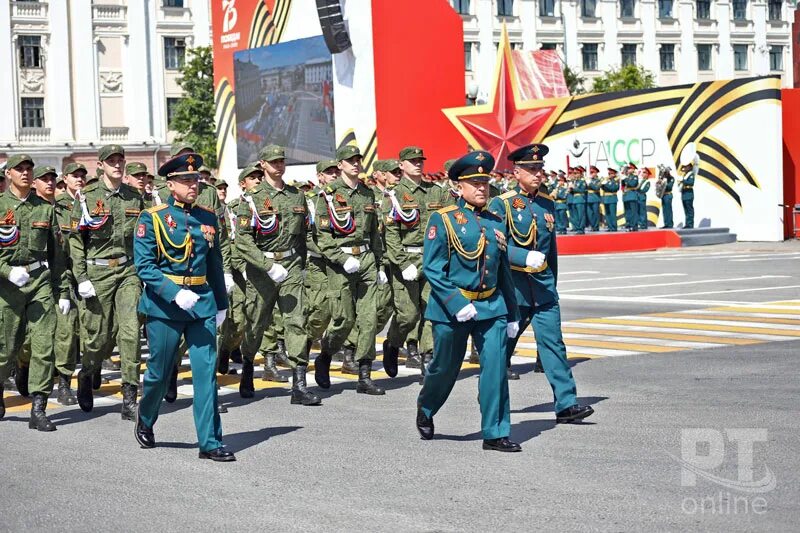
(535, 259)
(18, 276)
(352, 265)
(410, 273)
(468, 312)
(229, 284)
(221, 316)
(382, 279)
(186, 299)
(512, 330)
(277, 273)
(86, 289)
(64, 306)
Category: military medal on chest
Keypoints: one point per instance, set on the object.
(171, 224)
(263, 225)
(549, 221)
(87, 221)
(208, 234)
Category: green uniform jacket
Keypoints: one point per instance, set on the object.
(687, 185)
(352, 206)
(63, 209)
(631, 184)
(609, 190)
(29, 232)
(116, 213)
(668, 188)
(562, 195)
(593, 194)
(579, 191)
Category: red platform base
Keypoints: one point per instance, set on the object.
(604, 243)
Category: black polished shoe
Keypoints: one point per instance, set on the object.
(246, 387)
(537, 367)
(413, 359)
(349, 365)
(425, 360)
(365, 384)
(144, 435)
(322, 370)
(224, 363)
(390, 354)
(501, 445)
(39, 420)
(424, 425)
(85, 392)
(271, 371)
(97, 379)
(474, 357)
(300, 394)
(510, 374)
(221, 409)
(172, 388)
(218, 454)
(129, 393)
(574, 414)
(65, 395)
(236, 356)
(21, 380)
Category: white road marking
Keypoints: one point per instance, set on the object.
(709, 322)
(649, 300)
(755, 289)
(576, 272)
(656, 328)
(661, 275)
(682, 283)
(742, 313)
(643, 340)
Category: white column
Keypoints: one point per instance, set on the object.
(687, 62)
(486, 54)
(569, 17)
(201, 17)
(138, 111)
(8, 124)
(650, 57)
(760, 49)
(85, 99)
(58, 102)
(155, 75)
(724, 59)
(528, 11)
(611, 52)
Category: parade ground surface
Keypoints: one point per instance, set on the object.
(688, 356)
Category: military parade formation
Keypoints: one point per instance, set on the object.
(436, 260)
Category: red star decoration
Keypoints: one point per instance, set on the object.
(506, 122)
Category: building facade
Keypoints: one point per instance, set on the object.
(680, 41)
(84, 73)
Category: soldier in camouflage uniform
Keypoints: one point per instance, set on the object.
(31, 263)
(348, 237)
(271, 239)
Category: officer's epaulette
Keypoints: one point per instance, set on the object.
(545, 196)
(312, 193)
(329, 189)
(508, 195)
(90, 186)
(447, 209)
(157, 208)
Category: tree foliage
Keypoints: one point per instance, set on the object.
(574, 81)
(624, 79)
(193, 119)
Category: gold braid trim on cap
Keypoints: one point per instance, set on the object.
(161, 233)
(453, 239)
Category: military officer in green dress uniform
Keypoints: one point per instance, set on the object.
(466, 263)
(31, 264)
(532, 252)
(578, 202)
(177, 256)
(687, 193)
(644, 187)
(593, 198)
(101, 248)
(561, 196)
(630, 196)
(609, 189)
(271, 238)
(349, 238)
(666, 198)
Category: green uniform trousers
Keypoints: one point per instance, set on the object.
(111, 318)
(688, 210)
(164, 336)
(29, 311)
(631, 213)
(666, 207)
(383, 296)
(318, 298)
(550, 347)
(408, 324)
(450, 345)
(642, 212)
(274, 331)
(262, 297)
(593, 214)
(610, 214)
(232, 331)
(67, 343)
(561, 220)
(357, 294)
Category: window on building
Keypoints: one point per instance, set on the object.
(588, 8)
(703, 9)
(461, 6)
(30, 51)
(703, 57)
(776, 57)
(548, 46)
(739, 57)
(626, 9)
(32, 112)
(589, 52)
(775, 9)
(665, 9)
(547, 8)
(174, 53)
(667, 56)
(468, 56)
(628, 54)
(172, 103)
(505, 8)
(172, 3)
(739, 9)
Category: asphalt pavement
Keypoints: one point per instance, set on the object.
(701, 438)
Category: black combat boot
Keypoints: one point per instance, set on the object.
(97, 379)
(426, 359)
(65, 396)
(510, 374)
(21, 380)
(300, 394)
(413, 360)
(322, 369)
(474, 357)
(282, 357)
(2, 402)
(349, 365)
(236, 356)
(390, 354)
(246, 387)
(39, 420)
(85, 393)
(338, 357)
(271, 371)
(365, 383)
(172, 388)
(129, 392)
(224, 362)
(538, 368)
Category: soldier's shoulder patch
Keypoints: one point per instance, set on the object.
(508, 195)
(156, 208)
(447, 209)
(324, 222)
(432, 232)
(140, 230)
(244, 221)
